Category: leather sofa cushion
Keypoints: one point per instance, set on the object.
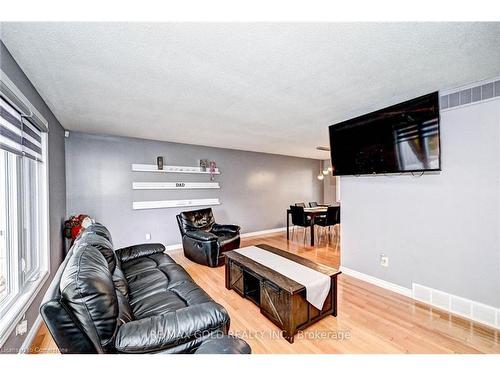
(184, 328)
(120, 282)
(100, 230)
(87, 290)
(102, 244)
(137, 251)
(158, 285)
(125, 314)
(224, 344)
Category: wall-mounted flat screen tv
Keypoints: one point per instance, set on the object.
(396, 139)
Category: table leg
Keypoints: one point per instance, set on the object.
(228, 275)
(287, 226)
(334, 295)
(312, 231)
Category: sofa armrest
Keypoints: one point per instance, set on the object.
(233, 229)
(174, 328)
(136, 251)
(201, 235)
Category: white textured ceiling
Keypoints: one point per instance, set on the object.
(261, 87)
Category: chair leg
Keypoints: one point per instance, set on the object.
(338, 236)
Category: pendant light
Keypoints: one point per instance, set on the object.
(321, 174)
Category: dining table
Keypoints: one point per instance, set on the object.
(312, 213)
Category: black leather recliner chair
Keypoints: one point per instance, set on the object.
(204, 241)
(134, 300)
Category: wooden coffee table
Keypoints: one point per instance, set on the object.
(281, 300)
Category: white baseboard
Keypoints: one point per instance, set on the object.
(173, 247)
(378, 282)
(25, 346)
(463, 307)
(263, 232)
(178, 246)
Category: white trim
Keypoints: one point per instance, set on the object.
(174, 185)
(263, 232)
(25, 346)
(178, 246)
(378, 282)
(170, 169)
(143, 205)
(26, 299)
(46, 202)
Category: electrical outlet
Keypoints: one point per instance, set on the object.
(384, 260)
(148, 236)
(22, 327)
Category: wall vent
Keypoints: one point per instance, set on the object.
(461, 306)
(463, 96)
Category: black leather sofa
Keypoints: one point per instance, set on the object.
(132, 300)
(204, 241)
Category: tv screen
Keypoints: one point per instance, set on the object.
(400, 138)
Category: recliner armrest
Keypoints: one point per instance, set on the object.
(234, 229)
(136, 251)
(201, 235)
(161, 332)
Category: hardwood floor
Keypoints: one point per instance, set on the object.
(370, 319)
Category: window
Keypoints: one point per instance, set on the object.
(23, 214)
(4, 260)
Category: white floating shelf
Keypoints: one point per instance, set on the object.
(175, 203)
(174, 185)
(169, 169)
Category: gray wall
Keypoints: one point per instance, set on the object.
(439, 230)
(256, 188)
(57, 180)
(329, 184)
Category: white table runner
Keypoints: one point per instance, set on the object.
(317, 284)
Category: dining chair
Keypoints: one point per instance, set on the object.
(313, 204)
(300, 219)
(300, 205)
(331, 219)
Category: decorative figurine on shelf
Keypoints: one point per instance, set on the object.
(159, 162)
(203, 165)
(213, 169)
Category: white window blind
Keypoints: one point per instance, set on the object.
(18, 134)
